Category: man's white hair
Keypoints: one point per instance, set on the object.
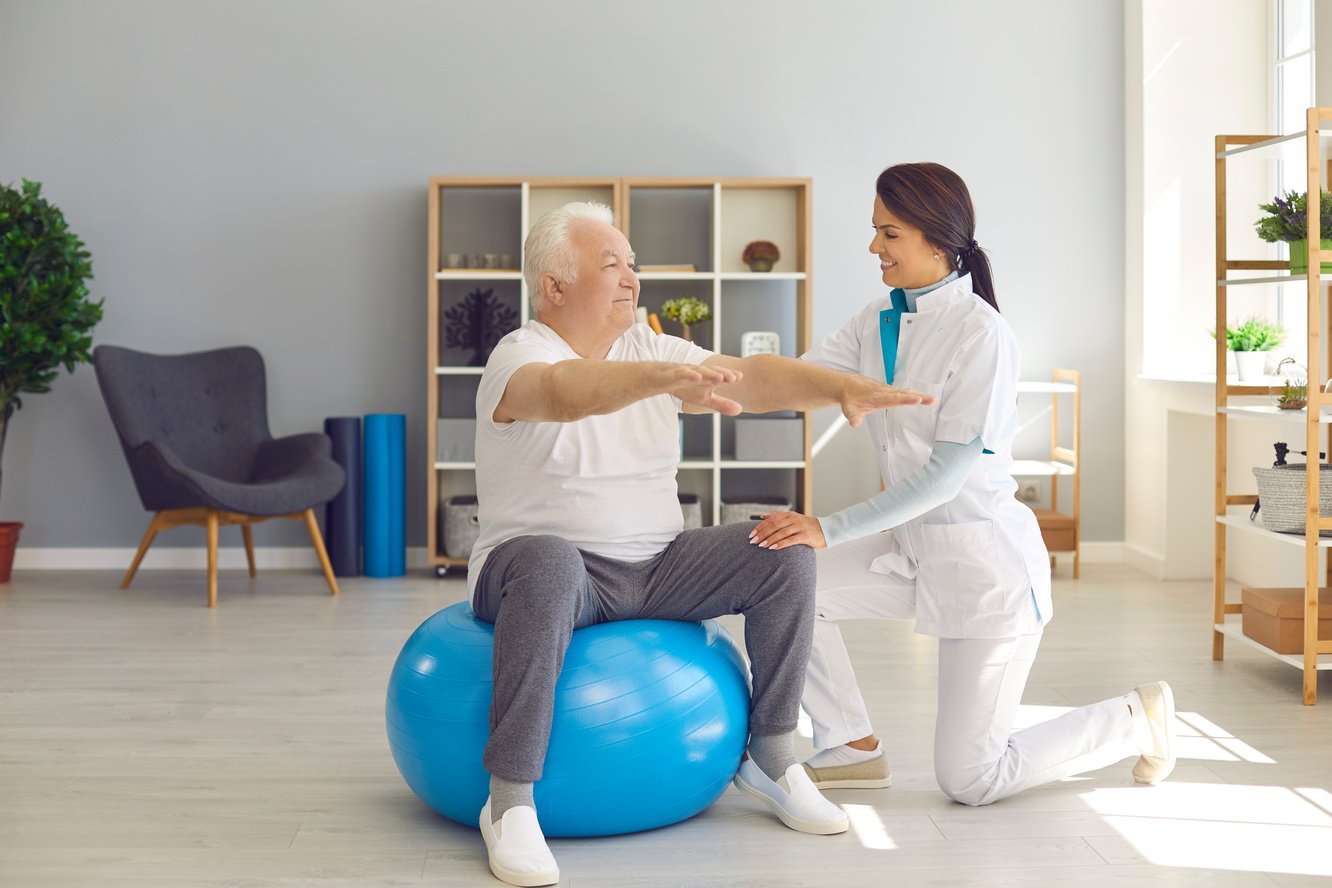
(548, 249)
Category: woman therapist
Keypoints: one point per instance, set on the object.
(965, 557)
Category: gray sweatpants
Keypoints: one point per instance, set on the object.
(538, 589)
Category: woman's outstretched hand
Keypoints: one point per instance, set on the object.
(778, 530)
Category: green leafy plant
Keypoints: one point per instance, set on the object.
(1287, 217)
(688, 311)
(46, 317)
(1254, 334)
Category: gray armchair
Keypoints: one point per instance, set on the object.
(194, 429)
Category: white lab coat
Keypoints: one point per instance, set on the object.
(979, 564)
(974, 571)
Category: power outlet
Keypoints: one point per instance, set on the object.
(1029, 491)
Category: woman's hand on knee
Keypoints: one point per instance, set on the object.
(779, 530)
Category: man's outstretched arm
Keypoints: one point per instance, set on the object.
(571, 390)
(770, 382)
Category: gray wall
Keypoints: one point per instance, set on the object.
(255, 172)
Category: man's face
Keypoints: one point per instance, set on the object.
(605, 293)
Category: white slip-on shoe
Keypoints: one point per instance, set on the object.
(1158, 705)
(516, 848)
(794, 799)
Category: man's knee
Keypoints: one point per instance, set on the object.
(796, 564)
(542, 572)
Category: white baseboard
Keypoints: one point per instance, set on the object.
(1151, 563)
(185, 558)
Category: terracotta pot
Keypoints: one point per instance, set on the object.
(9, 537)
(760, 265)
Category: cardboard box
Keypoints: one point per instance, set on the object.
(455, 440)
(1275, 618)
(769, 438)
(1058, 530)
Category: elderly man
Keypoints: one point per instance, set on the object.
(580, 523)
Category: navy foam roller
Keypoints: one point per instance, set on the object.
(342, 518)
(651, 719)
(385, 461)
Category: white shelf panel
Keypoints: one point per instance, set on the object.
(1242, 522)
(477, 274)
(1232, 628)
(761, 464)
(699, 464)
(1036, 468)
(1268, 149)
(762, 275)
(1047, 387)
(676, 276)
(1272, 412)
(456, 466)
(1278, 279)
(459, 371)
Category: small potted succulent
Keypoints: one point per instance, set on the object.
(1295, 389)
(1286, 221)
(1251, 340)
(760, 255)
(688, 311)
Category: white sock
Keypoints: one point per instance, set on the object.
(843, 755)
(1141, 735)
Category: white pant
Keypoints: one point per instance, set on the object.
(977, 758)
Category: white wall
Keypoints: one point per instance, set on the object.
(255, 172)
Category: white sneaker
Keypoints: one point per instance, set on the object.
(794, 799)
(1158, 705)
(517, 849)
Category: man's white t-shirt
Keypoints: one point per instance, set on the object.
(604, 483)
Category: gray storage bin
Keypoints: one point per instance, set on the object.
(692, 510)
(769, 438)
(1281, 496)
(455, 440)
(749, 508)
(459, 526)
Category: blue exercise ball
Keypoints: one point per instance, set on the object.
(651, 720)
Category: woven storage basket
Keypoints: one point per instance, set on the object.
(750, 508)
(460, 526)
(1281, 495)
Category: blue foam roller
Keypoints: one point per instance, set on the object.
(385, 458)
(342, 519)
(651, 719)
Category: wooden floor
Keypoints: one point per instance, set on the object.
(148, 741)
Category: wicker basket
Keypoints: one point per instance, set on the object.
(1281, 496)
(751, 508)
(460, 526)
(691, 510)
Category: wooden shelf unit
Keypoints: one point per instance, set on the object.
(1317, 654)
(699, 221)
(1064, 462)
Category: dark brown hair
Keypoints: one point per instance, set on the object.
(933, 198)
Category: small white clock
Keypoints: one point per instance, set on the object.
(760, 342)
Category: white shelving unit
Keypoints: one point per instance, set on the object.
(1235, 400)
(703, 222)
(1064, 462)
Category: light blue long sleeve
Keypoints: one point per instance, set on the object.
(934, 484)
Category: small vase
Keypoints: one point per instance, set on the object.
(1250, 365)
(9, 536)
(760, 265)
(685, 334)
(1299, 256)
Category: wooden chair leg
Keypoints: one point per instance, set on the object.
(249, 546)
(1077, 557)
(149, 535)
(212, 557)
(312, 524)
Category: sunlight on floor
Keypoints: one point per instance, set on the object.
(869, 829)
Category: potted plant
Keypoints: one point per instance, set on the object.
(1251, 340)
(1286, 220)
(688, 311)
(760, 255)
(46, 317)
(1295, 389)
